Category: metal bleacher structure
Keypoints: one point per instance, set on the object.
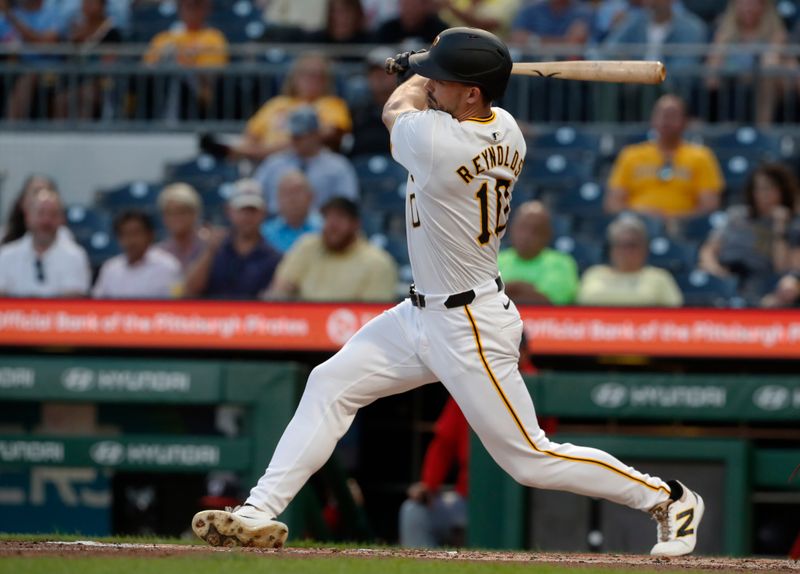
(578, 129)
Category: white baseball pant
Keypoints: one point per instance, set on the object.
(474, 351)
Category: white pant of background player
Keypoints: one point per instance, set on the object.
(473, 350)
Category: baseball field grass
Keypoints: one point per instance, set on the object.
(55, 554)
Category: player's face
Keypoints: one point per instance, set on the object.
(446, 96)
(134, 239)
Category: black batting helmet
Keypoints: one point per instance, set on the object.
(467, 55)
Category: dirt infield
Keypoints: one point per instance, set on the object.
(634, 562)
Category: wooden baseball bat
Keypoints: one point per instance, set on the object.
(625, 71)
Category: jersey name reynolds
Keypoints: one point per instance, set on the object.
(491, 157)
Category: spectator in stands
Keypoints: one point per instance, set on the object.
(369, 132)
(193, 44)
(628, 281)
(71, 12)
(662, 23)
(239, 264)
(330, 174)
(95, 28)
(338, 264)
(552, 21)
(379, 11)
(345, 25)
(668, 177)
(786, 292)
(30, 23)
(533, 272)
(16, 226)
(44, 262)
(611, 14)
(295, 217)
(306, 15)
(747, 26)
(181, 210)
(754, 244)
(141, 271)
(416, 20)
(492, 15)
(431, 516)
(310, 82)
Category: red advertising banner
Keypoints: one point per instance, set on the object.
(326, 327)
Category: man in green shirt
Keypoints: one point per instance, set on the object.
(533, 273)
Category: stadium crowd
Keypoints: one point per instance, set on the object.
(306, 203)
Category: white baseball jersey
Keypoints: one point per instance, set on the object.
(461, 176)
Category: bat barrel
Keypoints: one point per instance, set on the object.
(632, 72)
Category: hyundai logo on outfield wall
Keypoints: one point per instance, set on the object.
(107, 453)
(78, 380)
(775, 398)
(610, 395)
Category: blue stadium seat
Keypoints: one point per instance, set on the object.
(204, 173)
(147, 20)
(380, 177)
(100, 246)
(583, 200)
(703, 290)
(746, 140)
(83, 221)
(395, 244)
(673, 256)
(557, 171)
(584, 254)
(137, 194)
(736, 167)
(698, 228)
(565, 138)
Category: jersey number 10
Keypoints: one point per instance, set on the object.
(502, 196)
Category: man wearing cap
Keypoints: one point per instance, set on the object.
(239, 264)
(337, 264)
(329, 173)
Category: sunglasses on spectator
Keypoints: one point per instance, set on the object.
(39, 270)
(627, 244)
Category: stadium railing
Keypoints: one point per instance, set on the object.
(159, 97)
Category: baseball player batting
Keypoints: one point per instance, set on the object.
(457, 326)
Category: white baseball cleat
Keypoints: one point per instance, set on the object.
(678, 522)
(242, 526)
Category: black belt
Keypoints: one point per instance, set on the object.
(457, 300)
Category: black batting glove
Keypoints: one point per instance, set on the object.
(399, 65)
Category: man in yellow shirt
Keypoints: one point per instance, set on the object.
(492, 15)
(337, 264)
(194, 44)
(668, 177)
